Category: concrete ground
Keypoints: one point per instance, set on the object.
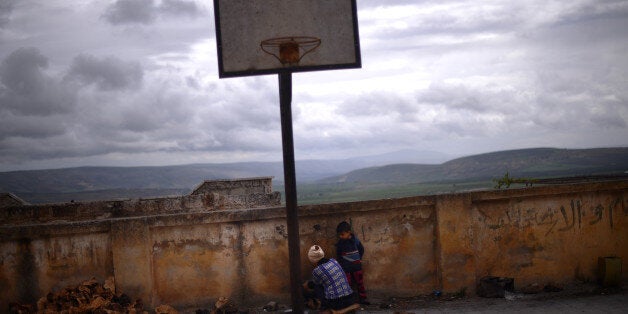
(580, 299)
(615, 303)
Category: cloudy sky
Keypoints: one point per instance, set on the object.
(135, 82)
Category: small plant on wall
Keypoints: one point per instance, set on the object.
(507, 180)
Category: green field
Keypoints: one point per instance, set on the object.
(349, 192)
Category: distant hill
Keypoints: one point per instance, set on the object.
(532, 163)
(102, 183)
(406, 167)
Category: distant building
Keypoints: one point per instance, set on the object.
(252, 192)
(9, 199)
(259, 185)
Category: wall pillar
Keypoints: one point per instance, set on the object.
(456, 259)
(132, 259)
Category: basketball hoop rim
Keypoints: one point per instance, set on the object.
(300, 40)
(306, 43)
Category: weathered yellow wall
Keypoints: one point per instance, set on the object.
(554, 237)
(188, 251)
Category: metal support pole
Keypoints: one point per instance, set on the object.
(294, 248)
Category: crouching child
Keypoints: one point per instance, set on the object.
(329, 283)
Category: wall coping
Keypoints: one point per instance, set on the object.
(54, 219)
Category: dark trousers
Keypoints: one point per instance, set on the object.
(317, 292)
(338, 304)
(357, 278)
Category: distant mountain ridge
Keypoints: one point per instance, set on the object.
(535, 162)
(187, 177)
(92, 183)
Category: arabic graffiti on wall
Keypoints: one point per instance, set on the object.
(571, 216)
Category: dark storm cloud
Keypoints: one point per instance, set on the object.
(608, 9)
(22, 72)
(109, 73)
(34, 106)
(27, 90)
(147, 11)
(178, 7)
(18, 149)
(131, 12)
(15, 126)
(6, 7)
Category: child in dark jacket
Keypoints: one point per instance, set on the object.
(349, 250)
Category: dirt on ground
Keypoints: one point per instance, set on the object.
(94, 297)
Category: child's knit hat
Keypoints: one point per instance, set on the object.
(315, 254)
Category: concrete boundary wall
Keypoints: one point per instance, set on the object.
(190, 250)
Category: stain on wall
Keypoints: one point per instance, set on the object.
(30, 268)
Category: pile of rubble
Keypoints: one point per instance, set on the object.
(89, 297)
(93, 297)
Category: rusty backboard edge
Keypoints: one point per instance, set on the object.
(218, 37)
(354, 65)
(222, 74)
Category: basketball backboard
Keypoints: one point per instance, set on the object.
(256, 37)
